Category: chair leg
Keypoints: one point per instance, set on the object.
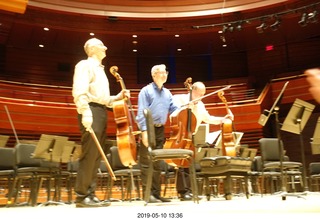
(149, 182)
(193, 179)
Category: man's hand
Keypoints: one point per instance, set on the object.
(87, 119)
(123, 94)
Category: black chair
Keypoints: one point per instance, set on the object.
(167, 154)
(272, 161)
(129, 178)
(314, 173)
(32, 172)
(7, 167)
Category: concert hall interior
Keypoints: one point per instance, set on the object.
(256, 51)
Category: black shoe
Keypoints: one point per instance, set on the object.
(95, 199)
(162, 199)
(152, 199)
(87, 203)
(186, 197)
(104, 203)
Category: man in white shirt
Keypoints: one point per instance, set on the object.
(91, 95)
(198, 90)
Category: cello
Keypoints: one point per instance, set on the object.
(126, 140)
(182, 127)
(227, 138)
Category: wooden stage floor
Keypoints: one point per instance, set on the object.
(239, 206)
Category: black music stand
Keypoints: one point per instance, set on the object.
(264, 117)
(50, 149)
(315, 144)
(295, 122)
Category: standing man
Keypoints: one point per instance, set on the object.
(91, 95)
(158, 99)
(198, 90)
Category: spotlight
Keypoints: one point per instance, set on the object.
(276, 24)
(313, 17)
(224, 28)
(239, 27)
(262, 27)
(303, 20)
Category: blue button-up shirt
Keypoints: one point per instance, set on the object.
(159, 102)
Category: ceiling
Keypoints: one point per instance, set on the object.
(155, 23)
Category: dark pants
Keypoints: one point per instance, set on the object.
(90, 158)
(183, 181)
(144, 162)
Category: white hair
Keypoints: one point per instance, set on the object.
(158, 68)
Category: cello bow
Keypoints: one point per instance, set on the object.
(207, 95)
(93, 135)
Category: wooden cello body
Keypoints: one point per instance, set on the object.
(182, 127)
(126, 140)
(227, 136)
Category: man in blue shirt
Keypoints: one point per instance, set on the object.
(158, 99)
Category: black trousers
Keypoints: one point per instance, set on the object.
(144, 163)
(183, 181)
(90, 158)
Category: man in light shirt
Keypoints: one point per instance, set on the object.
(91, 95)
(198, 90)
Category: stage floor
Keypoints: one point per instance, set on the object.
(239, 207)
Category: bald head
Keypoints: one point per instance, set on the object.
(199, 87)
(92, 43)
(198, 90)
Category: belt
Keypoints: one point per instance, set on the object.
(158, 125)
(97, 104)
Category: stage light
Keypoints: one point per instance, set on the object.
(313, 17)
(303, 21)
(239, 27)
(275, 26)
(262, 27)
(224, 28)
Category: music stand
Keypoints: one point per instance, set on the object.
(274, 110)
(50, 148)
(295, 122)
(263, 119)
(315, 144)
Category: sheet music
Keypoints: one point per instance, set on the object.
(237, 140)
(212, 136)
